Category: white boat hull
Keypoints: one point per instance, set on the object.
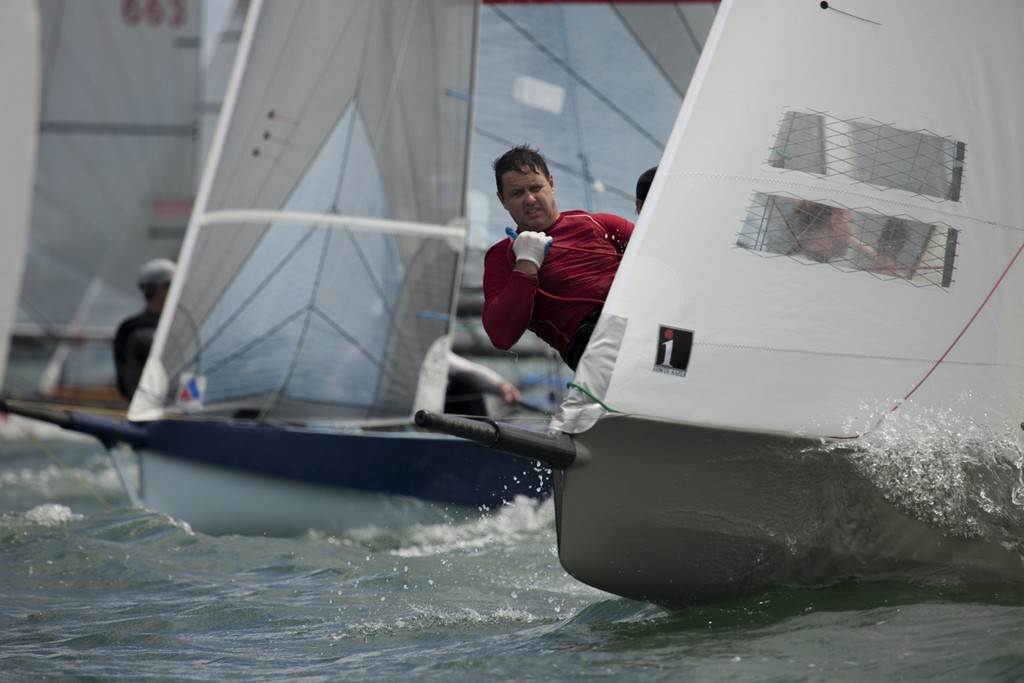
(218, 500)
(679, 515)
(236, 477)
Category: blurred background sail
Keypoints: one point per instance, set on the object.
(19, 71)
(115, 178)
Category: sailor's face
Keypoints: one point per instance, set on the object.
(529, 198)
(830, 239)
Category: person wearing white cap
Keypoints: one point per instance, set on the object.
(135, 334)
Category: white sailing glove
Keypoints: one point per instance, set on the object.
(531, 246)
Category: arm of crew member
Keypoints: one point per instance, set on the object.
(481, 378)
(508, 303)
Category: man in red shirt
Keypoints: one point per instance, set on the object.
(553, 276)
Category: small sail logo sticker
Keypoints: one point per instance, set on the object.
(191, 390)
(672, 357)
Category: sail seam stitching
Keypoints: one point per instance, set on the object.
(808, 352)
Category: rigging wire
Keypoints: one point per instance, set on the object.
(687, 27)
(574, 108)
(555, 245)
(578, 77)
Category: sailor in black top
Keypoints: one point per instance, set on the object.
(135, 334)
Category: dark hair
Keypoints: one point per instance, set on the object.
(516, 159)
(643, 183)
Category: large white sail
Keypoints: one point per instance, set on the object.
(894, 114)
(19, 62)
(116, 169)
(318, 276)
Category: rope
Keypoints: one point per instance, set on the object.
(948, 350)
(597, 252)
(595, 399)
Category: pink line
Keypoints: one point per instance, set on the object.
(947, 351)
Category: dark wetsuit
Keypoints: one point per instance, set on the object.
(131, 348)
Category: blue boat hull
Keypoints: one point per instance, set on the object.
(430, 467)
(244, 478)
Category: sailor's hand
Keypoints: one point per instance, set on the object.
(531, 246)
(509, 393)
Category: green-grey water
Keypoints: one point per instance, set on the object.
(94, 590)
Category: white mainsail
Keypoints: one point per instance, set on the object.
(19, 61)
(116, 170)
(896, 114)
(318, 276)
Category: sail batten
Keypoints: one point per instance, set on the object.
(114, 180)
(355, 222)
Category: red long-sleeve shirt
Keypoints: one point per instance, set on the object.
(574, 279)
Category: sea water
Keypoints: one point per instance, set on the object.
(92, 589)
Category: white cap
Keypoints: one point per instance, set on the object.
(156, 272)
